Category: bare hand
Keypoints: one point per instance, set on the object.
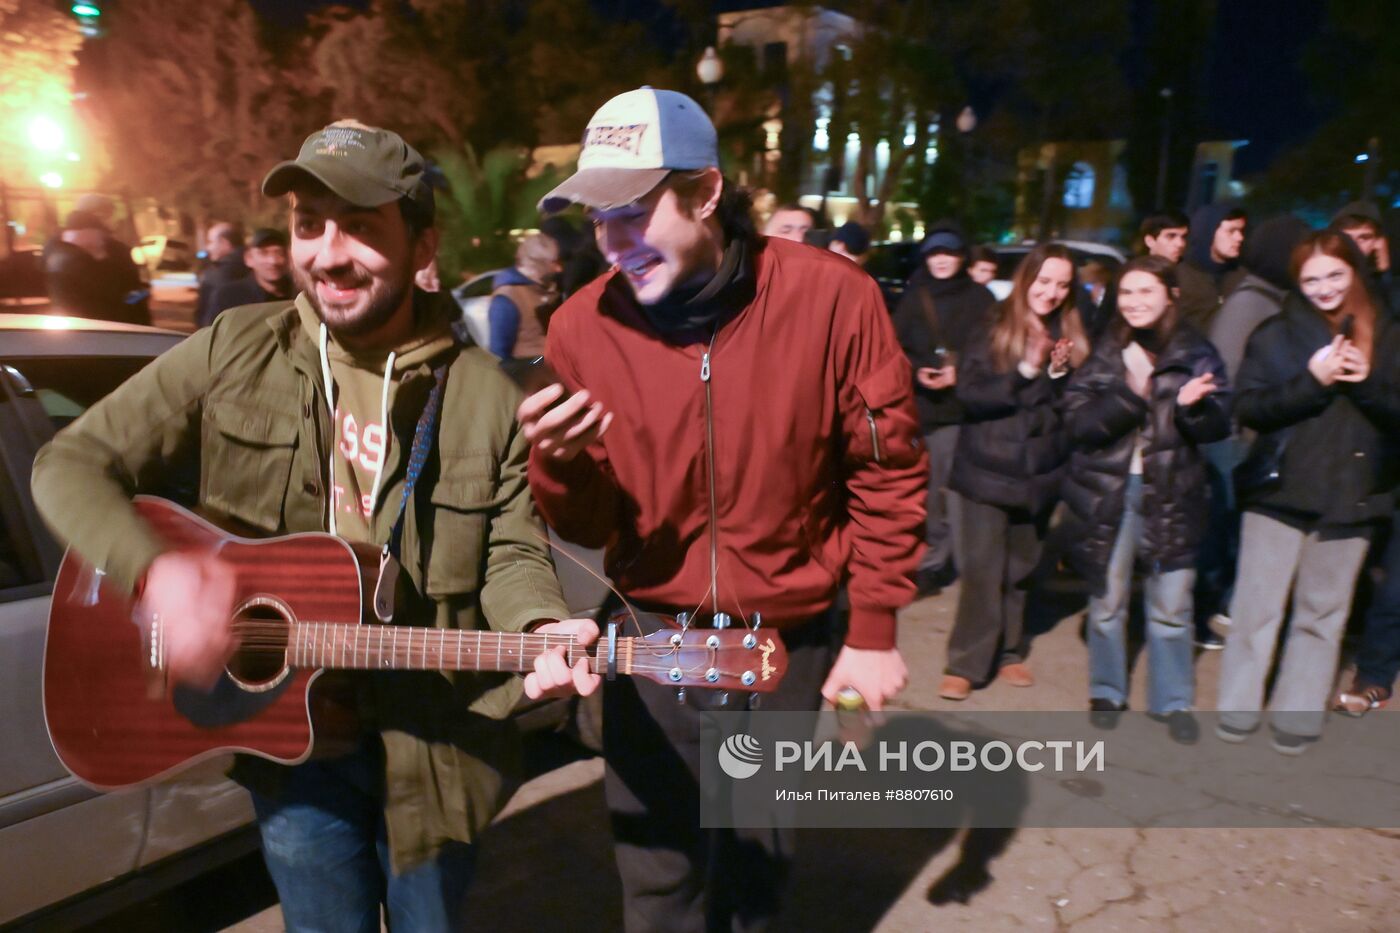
(1059, 355)
(552, 676)
(189, 596)
(1196, 389)
(1355, 366)
(875, 675)
(1329, 362)
(932, 377)
(561, 432)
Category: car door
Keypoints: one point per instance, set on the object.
(68, 837)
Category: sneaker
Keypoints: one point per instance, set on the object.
(1207, 640)
(1103, 714)
(1233, 734)
(1220, 620)
(1286, 743)
(1182, 727)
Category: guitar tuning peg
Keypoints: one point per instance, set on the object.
(683, 620)
(721, 620)
(680, 695)
(724, 698)
(757, 620)
(754, 700)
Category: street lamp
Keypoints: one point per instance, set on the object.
(1162, 155)
(710, 71)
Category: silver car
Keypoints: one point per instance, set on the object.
(60, 838)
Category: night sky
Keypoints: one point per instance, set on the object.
(1256, 87)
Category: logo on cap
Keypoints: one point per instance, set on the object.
(626, 138)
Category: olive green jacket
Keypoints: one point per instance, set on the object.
(241, 406)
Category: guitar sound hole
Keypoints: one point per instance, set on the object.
(261, 627)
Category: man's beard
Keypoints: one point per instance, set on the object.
(385, 298)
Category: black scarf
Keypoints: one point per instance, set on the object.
(695, 311)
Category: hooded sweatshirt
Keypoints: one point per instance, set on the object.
(363, 386)
(1260, 294)
(1206, 283)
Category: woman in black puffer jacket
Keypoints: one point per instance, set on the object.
(1320, 382)
(1137, 413)
(1008, 462)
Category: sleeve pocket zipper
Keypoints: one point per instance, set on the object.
(874, 434)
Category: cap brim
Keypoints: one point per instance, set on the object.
(335, 175)
(603, 188)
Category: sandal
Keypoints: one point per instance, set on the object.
(1360, 698)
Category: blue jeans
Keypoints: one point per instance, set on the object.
(1171, 682)
(326, 848)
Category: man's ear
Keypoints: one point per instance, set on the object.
(712, 186)
(248, 256)
(425, 249)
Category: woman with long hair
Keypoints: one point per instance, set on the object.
(1009, 459)
(1137, 414)
(1320, 383)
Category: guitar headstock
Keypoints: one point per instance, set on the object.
(723, 659)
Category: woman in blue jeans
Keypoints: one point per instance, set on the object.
(1137, 414)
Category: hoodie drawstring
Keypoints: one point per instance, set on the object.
(329, 384)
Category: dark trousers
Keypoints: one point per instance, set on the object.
(1000, 549)
(677, 876)
(1378, 661)
(1219, 552)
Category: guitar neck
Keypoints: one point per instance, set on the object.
(404, 647)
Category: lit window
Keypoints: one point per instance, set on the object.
(1079, 187)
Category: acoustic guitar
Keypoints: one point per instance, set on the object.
(305, 605)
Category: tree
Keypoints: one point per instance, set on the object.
(193, 108)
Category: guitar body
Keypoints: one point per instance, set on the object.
(112, 719)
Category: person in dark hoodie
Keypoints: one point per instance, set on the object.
(1259, 296)
(1210, 271)
(1320, 382)
(1361, 221)
(1138, 414)
(940, 309)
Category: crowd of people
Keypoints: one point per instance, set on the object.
(1222, 419)
(748, 432)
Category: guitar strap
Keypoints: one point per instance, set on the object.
(423, 435)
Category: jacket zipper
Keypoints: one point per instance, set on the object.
(710, 456)
(874, 434)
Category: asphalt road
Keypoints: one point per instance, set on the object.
(546, 864)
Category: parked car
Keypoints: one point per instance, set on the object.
(164, 254)
(474, 297)
(62, 840)
(891, 263)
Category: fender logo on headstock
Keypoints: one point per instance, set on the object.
(767, 648)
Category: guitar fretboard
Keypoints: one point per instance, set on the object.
(402, 647)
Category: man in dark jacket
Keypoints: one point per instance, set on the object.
(1259, 296)
(1210, 271)
(266, 258)
(741, 438)
(1361, 221)
(941, 307)
(224, 246)
(89, 273)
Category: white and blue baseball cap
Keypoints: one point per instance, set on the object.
(632, 143)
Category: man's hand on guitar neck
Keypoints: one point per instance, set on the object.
(876, 675)
(552, 676)
(190, 595)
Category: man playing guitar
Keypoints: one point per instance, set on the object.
(349, 410)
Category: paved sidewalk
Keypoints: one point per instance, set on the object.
(546, 865)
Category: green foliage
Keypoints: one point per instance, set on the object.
(486, 198)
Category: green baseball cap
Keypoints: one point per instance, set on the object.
(365, 165)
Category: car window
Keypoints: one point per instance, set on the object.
(19, 563)
(68, 386)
